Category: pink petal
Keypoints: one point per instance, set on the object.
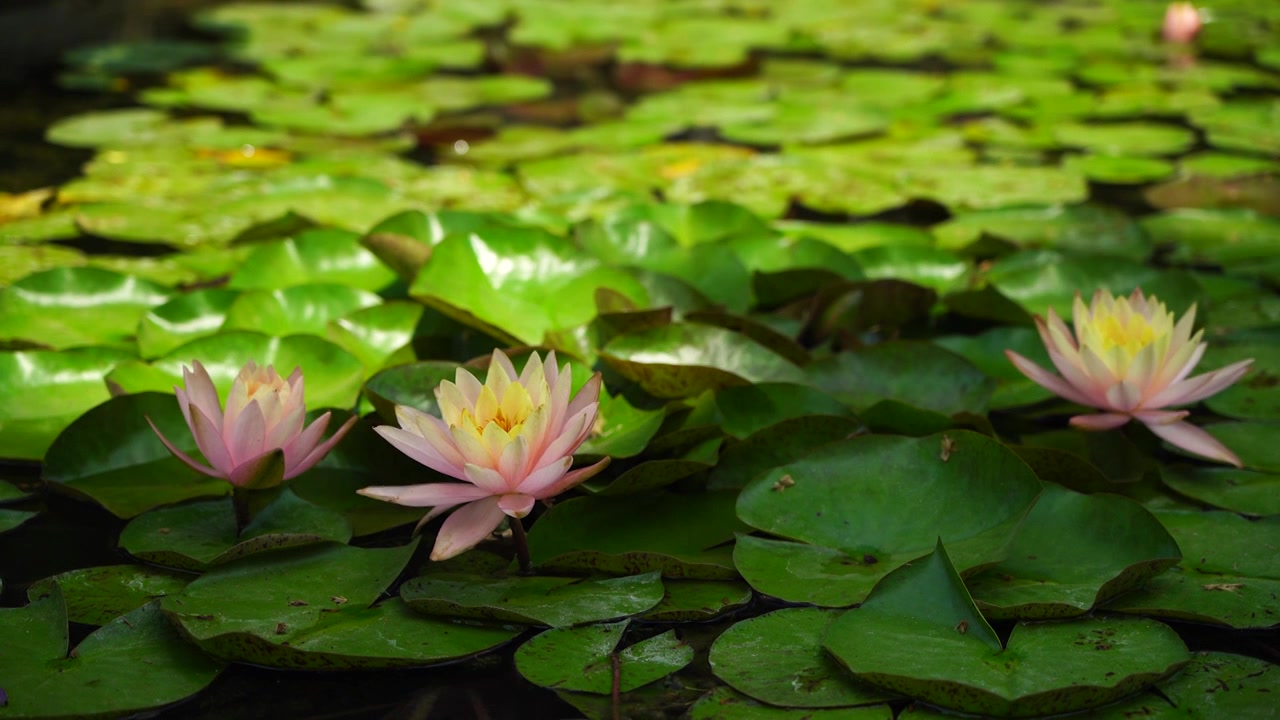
(264, 471)
(210, 443)
(1100, 421)
(487, 478)
(468, 388)
(539, 480)
(426, 495)
(1123, 396)
(1194, 440)
(1047, 380)
(416, 447)
(571, 480)
(433, 430)
(201, 391)
(298, 447)
(512, 461)
(516, 505)
(501, 360)
(317, 454)
(590, 393)
(1073, 372)
(466, 527)
(287, 428)
(558, 403)
(531, 368)
(247, 436)
(1201, 386)
(575, 431)
(1160, 417)
(185, 458)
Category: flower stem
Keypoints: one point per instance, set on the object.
(240, 501)
(522, 545)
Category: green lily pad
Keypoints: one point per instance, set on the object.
(986, 352)
(584, 658)
(1225, 165)
(1213, 684)
(872, 503)
(196, 536)
(98, 595)
(517, 283)
(978, 188)
(1253, 442)
(126, 127)
(1089, 228)
(183, 319)
(44, 391)
(919, 633)
(918, 374)
(725, 704)
(1244, 126)
(333, 375)
(310, 607)
(378, 335)
(100, 678)
(1224, 236)
(111, 456)
(1116, 546)
(1125, 138)
(920, 264)
(19, 261)
(53, 225)
(623, 429)
(778, 659)
(747, 409)
(783, 442)
(13, 519)
(1228, 576)
(327, 255)
(305, 309)
(539, 600)
(1242, 491)
(1117, 169)
(69, 307)
(696, 600)
(684, 536)
(682, 360)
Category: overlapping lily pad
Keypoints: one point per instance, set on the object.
(78, 306)
(585, 660)
(96, 596)
(850, 506)
(539, 600)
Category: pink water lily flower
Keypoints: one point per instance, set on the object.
(1129, 359)
(258, 441)
(511, 440)
(1182, 22)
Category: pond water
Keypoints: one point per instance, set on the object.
(795, 239)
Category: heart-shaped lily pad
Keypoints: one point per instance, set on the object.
(42, 392)
(914, 373)
(112, 456)
(1242, 491)
(297, 309)
(101, 677)
(539, 600)
(870, 504)
(183, 319)
(778, 658)
(585, 659)
(327, 255)
(379, 335)
(198, 535)
(693, 600)
(1212, 685)
(1116, 546)
(919, 634)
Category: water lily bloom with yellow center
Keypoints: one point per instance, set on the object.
(258, 441)
(1182, 21)
(1129, 359)
(511, 439)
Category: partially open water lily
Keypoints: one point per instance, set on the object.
(511, 440)
(1130, 359)
(258, 441)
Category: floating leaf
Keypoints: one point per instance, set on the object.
(584, 658)
(327, 255)
(187, 317)
(98, 595)
(696, 600)
(302, 309)
(68, 307)
(538, 600)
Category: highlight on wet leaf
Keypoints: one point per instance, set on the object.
(1130, 359)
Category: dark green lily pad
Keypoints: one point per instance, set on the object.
(196, 536)
(682, 360)
(919, 633)
(584, 658)
(778, 658)
(872, 503)
(111, 456)
(538, 600)
(918, 374)
(1225, 236)
(310, 607)
(1242, 491)
(986, 352)
(1212, 685)
(69, 307)
(1229, 573)
(1253, 442)
(778, 444)
(13, 519)
(725, 704)
(623, 430)
(98, 595)
(748, 409)
(42, 392)
(684, 536)
(1040, 279)
(1089, 228)
(1116, 546)
(100, 678)
(696, 600)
